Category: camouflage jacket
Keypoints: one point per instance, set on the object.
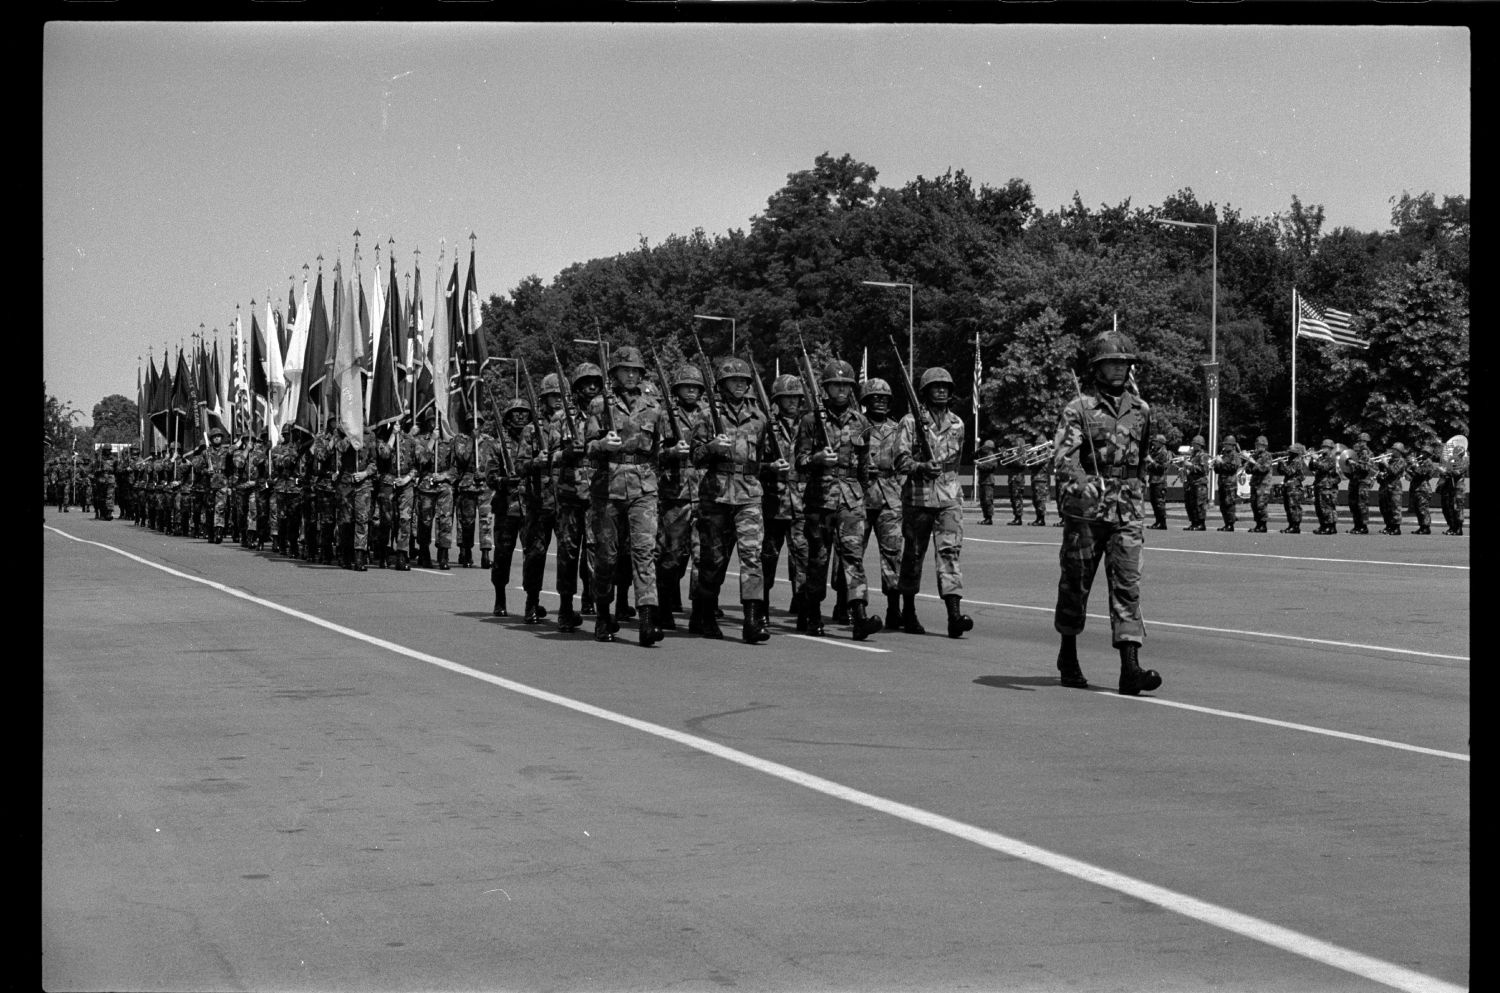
(1453, 472)
(1112, 460)
(836, 486)
(1390, 475)
(572, 470)
(733, 478)
(354, 461)
(1359, 466)
(945, 436)
(883, 482)
(387, 461)
(518, 450)
(1293, 467)
(637, 419)
(1158, 461)
(434, 462)
(783, 490)
(1325, 469)
(680, 475)
(1258, 466)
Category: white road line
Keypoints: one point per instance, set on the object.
(1154, 549)
(1234, 715)
(1236, 631)
(838, 643)
(1294, 942)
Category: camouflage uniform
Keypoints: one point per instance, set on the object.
(784, 508)
(1041, 475)
(677, 541)
(216, 466)
(1015, 480)
(1158, 461)
(1292, 468)
(468, 484)
(308, 463)
(931, 504)
(1325, 468)
(539, 497)
(511, 449)
(622, 500)
(1227, 468)
(834, 501)
(1422, 470)
(1258, 466)
(356, 489)
(985, 482)
(1194, 476)
(1390, 476)
(883, 508)
(434, 497)
(104, 485)
(325, 494)
(1450, 489)
(1359, 468)
(730, 496)
(396, 463)
(572, 475)
(286, 515)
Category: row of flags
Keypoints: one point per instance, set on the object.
(363, 359)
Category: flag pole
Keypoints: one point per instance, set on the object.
(1294, 366)
(474, 336)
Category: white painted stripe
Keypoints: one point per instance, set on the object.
(1234, 715)
(1236, 631)
(839, 643)
(1245, 925)
(1248, 555)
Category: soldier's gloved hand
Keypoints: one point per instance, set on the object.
(782, 466)
(826, 457)
(721, 445)
(611, 442)
(681, 448)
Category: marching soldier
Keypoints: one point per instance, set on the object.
(1292, 470)
(508, 466)
(784, 510)
(287, 466)
(467, 486)
(307, 476)
(1258, 466)
(1041, 482)
(677, 543)
(356, 459)
(624, 432)
(1389, 476)
(1194, 476)
(1227, 468)
(325, 490)
(883, 486)
(1422, 470)
(1158, 461)
(1358, 468)
(832, 453)
(573, 473)
(1015, 478)
(1450, 490)
(434, 494)
(1100, 442)
(729, 500)
(932, 508)
(984, 459)
(1325, 467)
(104, 484)
(538, 492)
(396, 464)
(189, 493)
(215, 466)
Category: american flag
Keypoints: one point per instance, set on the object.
(1326, 324)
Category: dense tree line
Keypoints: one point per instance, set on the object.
(1035, 284)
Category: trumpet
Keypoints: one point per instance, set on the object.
(1381, 459)
(1037, 454)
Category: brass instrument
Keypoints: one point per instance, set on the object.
(1039, 453)
(1453, 448)
(1381, 459)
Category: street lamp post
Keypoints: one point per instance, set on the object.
(733, 327)
(911, 346)
(1213, 338)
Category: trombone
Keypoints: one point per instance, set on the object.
(1037, 454)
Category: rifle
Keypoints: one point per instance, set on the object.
(810, 384)
(507, 466)
(714, 414)
(536, 410)
(773, 447)
(608, 396)
(565, 389)
(920, 441)
(667, 397)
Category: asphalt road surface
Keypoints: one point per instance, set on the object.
(264, 775)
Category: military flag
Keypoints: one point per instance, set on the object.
(220, 403)
(255, 353)
(182, 406)
(376, 317)
(309, 395)
(441, 349)
(161, 402)
(348, 367)
(385, 396)
(148, 396)
(296, 349)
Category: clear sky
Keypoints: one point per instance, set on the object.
(190, 167)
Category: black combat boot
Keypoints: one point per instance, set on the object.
(892, 611)
(1134, 679)
(708, 624)
(532, 607)
(401, 564)
(666, 619)
(1014, 522)
(424, 557)
(442, 559)
(484, 559)
(958, 622)
(586, 604)
(360, 556)
(500, 609)
(650, 634)
(763, 618)
(798, 608)
(1259, 529)
(568, 619)
(1423, 530)
(813, 613)
(1069, 674)
(1041, 522)
(864, 624)
(751, 631)
(604, 627)
(909, 622)
(840, 606)
(1227, 527)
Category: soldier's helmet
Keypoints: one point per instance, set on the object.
(1160, 439)
(934, 376)
(687, 374)
(731, 368)
(1111, 345)
(1398, 446)
(1299, 449)
(988, 446)
(517, 404)
(216, 434)
(626, 357)
(786, 385)
(837, 371)
(586, 370)
(1198, 440)
(1327, 443)
(874, 387)
(1229, 441)
(1364, 437)
(1261, 441)
(550, 384)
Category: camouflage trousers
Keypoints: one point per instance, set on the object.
(1291, 502)
(1229, 501)
(473, 508)
(1017, 496)
(943, 527)
(1120, 544)
(1156, 492)
(722, 526)
(246, 509)
(354, 511)
(839, 532)
(396, 504)
(1390, 506)
(677, 549)
(1260, 502)
(792, 532)
(536, 538)
(1453, 511)
(986, 499)
(1359, 505)
(885, 524)
(575, 549)
(1419, 502)
(509, 531)
(222, 497)
(614, 523)
(288, 513)
(104, 498)
(435, 516)
(1195, 498)
(1326, 504)
(1039, 489)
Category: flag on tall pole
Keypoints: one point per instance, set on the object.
(310, 396)
(1325, 323)
(255, 350)
(182, 405)
(161, 403)
(348, 368)
(140, 409)
(203, 374)
(275, 379)
(220, 408)
(978, 386)
(439, 349)
(458, 394)
(385, 397)
(296, 349)
(864, 365)
(239, 374)
(376, 317)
